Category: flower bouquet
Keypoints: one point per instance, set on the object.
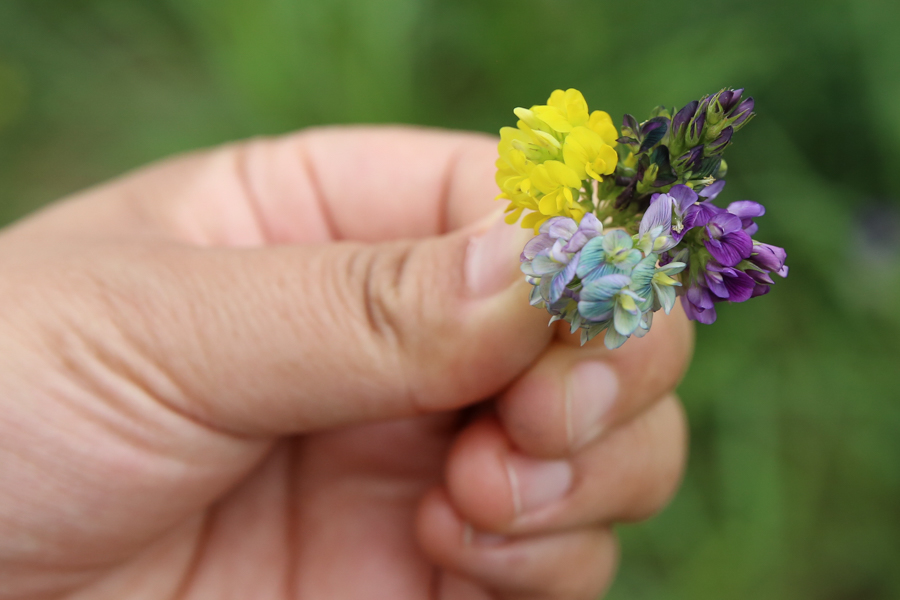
(626, 222)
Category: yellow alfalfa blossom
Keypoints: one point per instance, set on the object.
(560, 191)
(554, 152)
(588, 155)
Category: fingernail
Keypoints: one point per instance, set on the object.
(473, 537)
(591, 391)
(537, 483)
(492, 258)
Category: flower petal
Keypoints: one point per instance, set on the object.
(710, 192)
(535, 245)
(604, 288)
(592, 256)
(658, 215)
(616, 240)
(684, 197)
(625, 321)
(614, 339)
(560, 228)
(596, 311)
(740, 286)
(544, 265)
(666, 296)
(746, 209)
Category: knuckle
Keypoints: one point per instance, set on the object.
(379, 274)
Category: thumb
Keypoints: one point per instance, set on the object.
(297, 338)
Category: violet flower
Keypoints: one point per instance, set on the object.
(728, 242)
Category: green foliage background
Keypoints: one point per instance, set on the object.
(793, 489)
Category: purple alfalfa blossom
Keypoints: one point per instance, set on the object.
(689, 160)
(589, 228)
(702, 210)
(698, 304)
(728, 283)
(557, 228)
(763, 282)
(683, 198)
(555, 268)
(655, 229)
(545, 262)
(662, 227)
(742, 113)
(746, 211)
(770, 258)
(728, 242)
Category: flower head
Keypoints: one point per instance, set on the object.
(548, 160)
(619, 239)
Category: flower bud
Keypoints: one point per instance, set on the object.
(695, 127)
(742, 114)
(718, 145)
(630, 127)
(683, 116)
(652, 132)
(689, 160)
(723, 170)
(716, 112)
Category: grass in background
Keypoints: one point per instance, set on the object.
(794, 480)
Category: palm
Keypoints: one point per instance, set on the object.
(324, 516)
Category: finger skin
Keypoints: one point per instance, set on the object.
(360, 183)
(547, 414)
(628, 475)
(574, 565)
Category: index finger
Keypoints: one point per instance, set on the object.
(367, 184)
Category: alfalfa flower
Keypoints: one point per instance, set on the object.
(548, 162)
(625, 225)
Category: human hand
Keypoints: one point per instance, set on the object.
(241, 374)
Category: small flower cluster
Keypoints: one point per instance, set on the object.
(548, 158)
(622, 227)
(600, 281)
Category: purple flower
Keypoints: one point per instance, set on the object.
(698, 305)
(710, 192)
(654, 232)
(557, 228)
(589, 228)
(728, 283)
(770, 258)
(683, 198)
(555, 268)
(545, 261)
(728, 243)
(746, 210)
(742, 113)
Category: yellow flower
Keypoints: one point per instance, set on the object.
(537, 146)
(588, 155)
(601, 124)
(559, 186)
(546, 159)
(564, 110)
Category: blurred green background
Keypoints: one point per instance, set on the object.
(793, 489)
